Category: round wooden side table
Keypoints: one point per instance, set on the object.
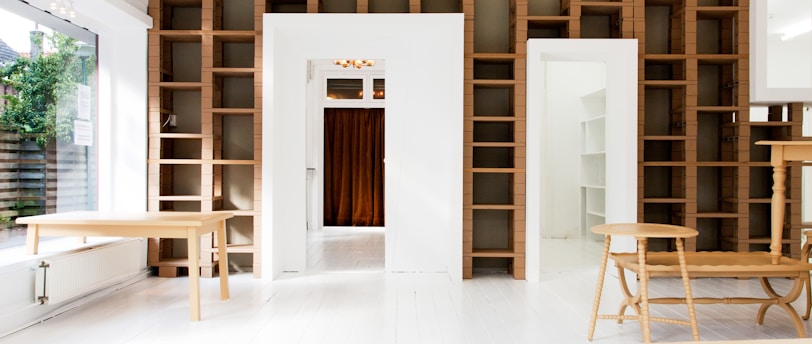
(642, 232)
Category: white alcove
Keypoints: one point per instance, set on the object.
(581, 140)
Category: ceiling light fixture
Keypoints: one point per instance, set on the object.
(357, 64)
(64, 7)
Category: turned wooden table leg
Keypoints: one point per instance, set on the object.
(598, 290)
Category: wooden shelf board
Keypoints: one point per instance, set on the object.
(759, 200)
(665, 200)
(176, 161)
(492, 253)
(665, 163)
(664, 83)
(665, 138)
(758, 240)
(179, 198)
(235, 162)
(664, 57)
(185, 86)
(494, 83)
(235, 111)
(772, 124)
(720, 164)
(234, 36)
(721, 109)
(715, 215)
(178, 35)
(227, 71)
(717, 12)
(189, 136)
(495, 170)
(494, 144)
(495, 207)
(759, 164)
(535, 21)
(491, 118)
(495, 57)
(202, 162)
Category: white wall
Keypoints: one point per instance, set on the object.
(121, 138)
(620, 57)
(780, 71)
(423, 172)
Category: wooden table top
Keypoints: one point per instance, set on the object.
(645, 230)
(135, 218)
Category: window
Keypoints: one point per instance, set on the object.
(48, 117)
(354, 88)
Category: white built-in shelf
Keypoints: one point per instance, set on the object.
(593, 160)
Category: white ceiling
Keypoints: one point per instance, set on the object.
(785, 13)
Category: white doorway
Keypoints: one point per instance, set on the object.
(424, 129)
(334, 245)
(599, 76)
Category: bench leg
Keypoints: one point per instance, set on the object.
(629, 300)
(805, 252)
(783, 302)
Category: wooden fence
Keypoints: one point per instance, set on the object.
(37, 181)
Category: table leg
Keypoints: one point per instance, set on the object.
(599, 288)
(686, 283)
(223, 260)
(805, 251)
(194, 274)
(645, 321)
(777, 209)
(32, 239)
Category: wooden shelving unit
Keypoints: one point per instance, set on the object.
(697, 167)
(204, 95)
(494, 138)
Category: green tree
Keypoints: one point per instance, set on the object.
(40, 83)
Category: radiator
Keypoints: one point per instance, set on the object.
(65, 277)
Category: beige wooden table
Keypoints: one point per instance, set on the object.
(181, 225)
(640, 302)
(781, 152)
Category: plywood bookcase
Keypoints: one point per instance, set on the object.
(204, 95)
(698, 165)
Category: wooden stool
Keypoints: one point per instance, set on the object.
(805, 251)
(642, 232)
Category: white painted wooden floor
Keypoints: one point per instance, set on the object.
(346, 298)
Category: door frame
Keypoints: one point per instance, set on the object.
(319, 71)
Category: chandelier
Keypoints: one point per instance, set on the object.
(65, 7)
(357, 64)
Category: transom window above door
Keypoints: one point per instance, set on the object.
(365, 87)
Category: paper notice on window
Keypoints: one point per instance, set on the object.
(82, 133)
(83, 93)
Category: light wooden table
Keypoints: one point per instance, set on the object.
(181, 225)
(640, 302)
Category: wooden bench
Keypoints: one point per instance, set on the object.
(761, 265)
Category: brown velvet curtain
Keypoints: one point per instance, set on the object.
(353, 167)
